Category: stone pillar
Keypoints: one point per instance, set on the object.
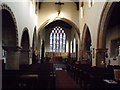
(43, 52)
(80, 55)
(69, 55)
(86, 57)
(24, 56)
(34, 60)
(0, 74)
(76, 52)
(100, 57)
(12, 58)
(30, 56)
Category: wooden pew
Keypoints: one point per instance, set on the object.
(38, 76)
(10, 79)
(42, 74)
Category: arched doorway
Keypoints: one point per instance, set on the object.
(109, 36)
(9, 38)
(66, 26)
(86, 46)
(25, 44)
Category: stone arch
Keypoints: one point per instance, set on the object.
(9, 38)
(86, 36)
(34, 58)
(108, 7)
(5, 7)
(34, 39)
(25, 44)
(86, 45)
(61, 19)
(102, 31)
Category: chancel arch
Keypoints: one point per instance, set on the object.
(108, 44)
(63, 26)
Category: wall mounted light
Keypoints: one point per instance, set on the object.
(91, 3)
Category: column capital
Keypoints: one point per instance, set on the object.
(11, 48)
(100, 57)
(25, 50)
(101, 50)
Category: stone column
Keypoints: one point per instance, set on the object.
(24, 56)
(69, 55)
(12, 58)
(86, 57)
(76, 52)
(43, 52)
(30, 56)
(100, 57)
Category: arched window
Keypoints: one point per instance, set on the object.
(74, 49)
(71, 46)
(119, 51)
(57, 40)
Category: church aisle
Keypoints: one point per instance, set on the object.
(64, 81)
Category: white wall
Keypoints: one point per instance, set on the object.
(24, 17)
(91, 18)
(49, 10)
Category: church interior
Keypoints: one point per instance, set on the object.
(60, 44)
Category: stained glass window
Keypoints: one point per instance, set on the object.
(51, 41)
(74, 49)
(57, 40)
(71, 47)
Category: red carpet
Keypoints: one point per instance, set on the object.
(63, 79)
(65, 82)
